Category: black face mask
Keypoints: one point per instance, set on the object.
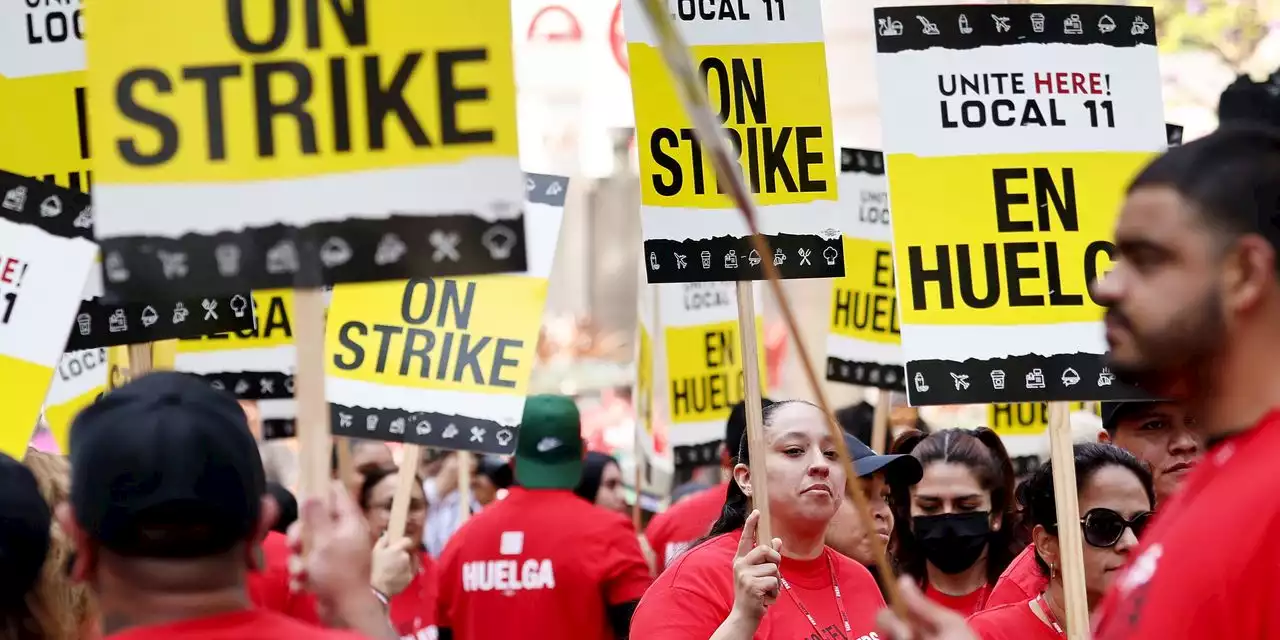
(952, 542)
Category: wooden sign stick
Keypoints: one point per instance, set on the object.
(880, 422)
(693, 95)
(756, 446)
(1070, 535)
(313, 410)
(411, 454)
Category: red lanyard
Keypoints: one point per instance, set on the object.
(835, 586)
(1048, 613)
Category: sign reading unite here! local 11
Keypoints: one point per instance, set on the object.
(764, 65)
(1010, 135)
(294, 143)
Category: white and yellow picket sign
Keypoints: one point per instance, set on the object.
(764, 65)
(864, 344)
(443, 362)
(298, 143)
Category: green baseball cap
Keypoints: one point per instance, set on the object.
(550, 449)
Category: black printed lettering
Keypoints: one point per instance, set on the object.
(711, 10)
(286, 92)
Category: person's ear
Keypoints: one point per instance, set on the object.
(86, 554)
(269, 512)
(1104, 437)
(997, 520)
(742, 476)
(1046, 547)
(1250, 274)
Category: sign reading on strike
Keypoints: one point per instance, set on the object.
(1010, 134)
(864, 345)
(443, 362)
(44, 258)
(292, 143)
(764, 66)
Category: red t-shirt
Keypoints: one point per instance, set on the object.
(1021, 581)
(413, 611)
(1011, 622)
(671, 532)
(253, 624)
(1206, 567)
(965, 605)
(269, 587)
(539, 564)
(693, 597)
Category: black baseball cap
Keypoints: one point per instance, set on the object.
(735, 428)
(899, 470)
(1114, 412)
(166, 467)
(24, 531)
(549, 450)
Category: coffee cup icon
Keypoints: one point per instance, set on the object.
(85, 321)
(997, 379)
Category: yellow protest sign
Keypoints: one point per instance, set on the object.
(865, 337)
(1025, 418)
(443, 362)
(81, 379)
(1008, 154)
(764, 70)
(219, 123)
(252, 364)
(43, 117)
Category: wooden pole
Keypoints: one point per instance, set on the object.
(313, 410)
(756, 446)
(880, 422)
(1070, 535)
(411, 454)
(464, 486)
(139, 360)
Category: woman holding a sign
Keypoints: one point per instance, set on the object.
(955, 527)
(731, 586)
(1116, 502)
(412, 607)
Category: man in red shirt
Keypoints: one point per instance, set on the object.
(1193, 314)
(1159, 434)
(671, 532)
(542, 563)
(168, 502)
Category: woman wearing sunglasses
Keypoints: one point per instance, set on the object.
(1116, 500)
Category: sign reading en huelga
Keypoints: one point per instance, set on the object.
(253, 363)
(45, 256)
(1011, 133)
(765, 70)
(864, 344)
(43, 116)
(704, 367)
(443, 362)
(243, 145)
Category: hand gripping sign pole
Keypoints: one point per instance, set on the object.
(693, 96)
(1070, 535)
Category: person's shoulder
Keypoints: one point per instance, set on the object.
(999, 621)
(711, 556)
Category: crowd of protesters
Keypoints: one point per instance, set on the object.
(161, 523)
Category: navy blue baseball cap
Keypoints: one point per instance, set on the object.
(24, 531)
(899, 470)
(166, 467)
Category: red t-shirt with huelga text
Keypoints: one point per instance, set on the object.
(1021, 581)
(1207, 565)
(539, 565)
(694, 595)
(1012, 622)
(673, 531)
(252, 624)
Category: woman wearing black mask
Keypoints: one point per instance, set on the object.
(955, 528)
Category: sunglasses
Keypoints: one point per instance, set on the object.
(1103, 527)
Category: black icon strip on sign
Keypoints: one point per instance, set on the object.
(889, 377)
(253, 385)
(460, 433)
(279, 256)
(99, 324)
(865, 161)
(962, 27)
(279, 428)
(61, 212)
(728, 259)
(696, 455)
(1028, 378)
